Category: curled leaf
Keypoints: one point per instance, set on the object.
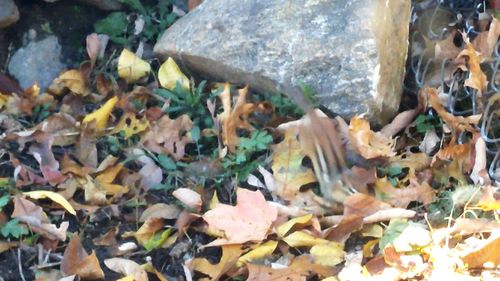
(169, 74)
(101, 115)
(131, 68)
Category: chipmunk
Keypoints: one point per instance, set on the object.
(320, 141)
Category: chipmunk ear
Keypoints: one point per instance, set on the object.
(319, 140)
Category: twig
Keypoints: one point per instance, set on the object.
(20, 266)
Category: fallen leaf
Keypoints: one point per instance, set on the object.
(249, 220)
(401, 121)
(477, 78)
(169, 75)
(160, 210)
(73, 80)
(40, 194)
(284, 228)
(484, 254)
(446, 49)
(101, 115)
(77, 261)
(129, 125)
(93, 48)
(230, 255)
(289, 174)
(107, 239)
(147, 230)
(368, 143)
(413, 237)
(479, 173)
(127, 268)
(401, 197)
(458, 123)
(34, 216)
(188, 197)
(329, 254)
(169, 136)
(303, 239)
(261, 251)
(235, 116)
(131, 68)
(486, 41)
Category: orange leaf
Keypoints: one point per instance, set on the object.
(368, 143)
(249, 220)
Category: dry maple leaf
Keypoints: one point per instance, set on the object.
(401, 197)
(77, 261)
(249, 220)
(477, 78)
(169, 136)
(289, 174)
(368, 143)
(458, 123)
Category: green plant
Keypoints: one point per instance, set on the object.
(427, 122)
(156, 19)
(14, 229)
(246, 159)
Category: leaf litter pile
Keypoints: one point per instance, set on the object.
(140, 173)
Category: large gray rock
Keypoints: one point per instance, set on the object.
(39, 61)
(9, 13)
(352, 52)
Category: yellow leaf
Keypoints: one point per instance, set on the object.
(40, 194)
(3, 100)
(230, 255)
(131, 68)
(101, 115)
(302, 239)
(130, 125)
(288, 171)
(109, 175)
(261, 251)
(372, 230)
(329, 254)
(169, 74)
(285, 227)
(368, 143)
(73, 79)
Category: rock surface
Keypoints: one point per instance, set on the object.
(39, 61)
(351, 52)
(9, 13)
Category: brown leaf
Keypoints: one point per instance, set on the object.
(169, 136)
(249, 220)
(107, 239)
(42, 152)
(458, 123)
(486, 41)
(189, 197)
(77, 261)
(34, 216)
(363, 205)
(93, 47)
(477, 78)
(401, 197)
(446, 48)
(235, 116)
(147, 230)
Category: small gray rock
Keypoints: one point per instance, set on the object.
(9, 13)
(352, 52)
(39, 61)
